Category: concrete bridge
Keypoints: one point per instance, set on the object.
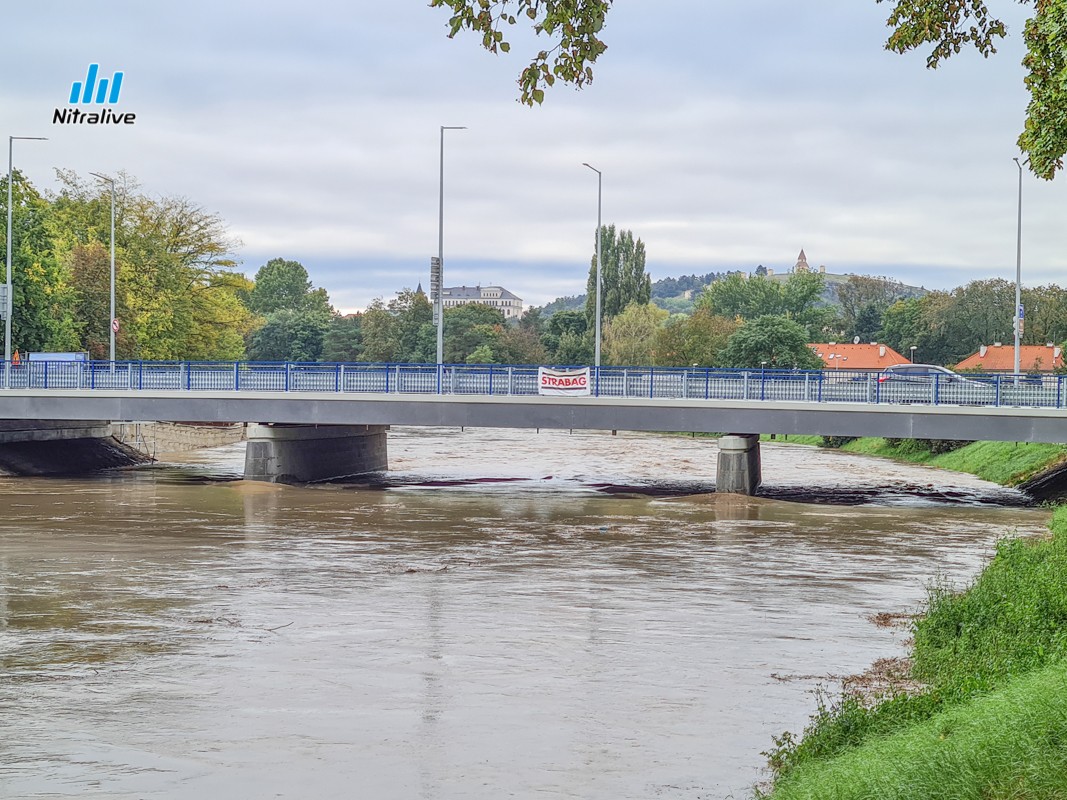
(323, 421)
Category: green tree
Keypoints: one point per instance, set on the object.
(344, 338)
(867, 325)
(380, 342)
(573, 27)
(573, 349)
(630, 338)
(482, 354)
(42, 297)
(1046, 314)
(520, 345)
(698, 339)
(799, 298)
(860, 291)
(469, 327)
(624, 280)
(558, 325)
(951, 25)
(288, 336)
(282, 285)
(401, 331)
(774, 340)
(948, 25)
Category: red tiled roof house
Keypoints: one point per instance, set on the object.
(873, 356)
(1001, 358)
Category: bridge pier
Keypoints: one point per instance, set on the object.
(305, 453)
(739, 469)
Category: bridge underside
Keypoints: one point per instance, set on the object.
(358, 422)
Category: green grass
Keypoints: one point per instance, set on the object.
(793, 438)
(1008, 744)
(992, 657)
(1006, 463)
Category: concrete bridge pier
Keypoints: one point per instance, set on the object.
(739, 469)
(304, 453)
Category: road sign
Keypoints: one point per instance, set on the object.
(115, 325)
(435, 277)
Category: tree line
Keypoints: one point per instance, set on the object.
(180, 296)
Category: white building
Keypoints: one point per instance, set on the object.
(495, 296)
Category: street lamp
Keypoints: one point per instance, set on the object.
(599, 233)
(9, 299)
(441, 251)
(1018, 271)
(111, 321)
(912, 348)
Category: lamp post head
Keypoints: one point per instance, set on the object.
(587, 164)
(27, 138)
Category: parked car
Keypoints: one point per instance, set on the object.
(911, 383)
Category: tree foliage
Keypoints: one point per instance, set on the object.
(772, 340)
(951, 25)
(696, 340)
(630, 338)
(741, 297)
(623, 281)
(573, 27)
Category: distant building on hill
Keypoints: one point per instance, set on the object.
(1001, 358)
(496, 296)
(871, 357)
(802, 264)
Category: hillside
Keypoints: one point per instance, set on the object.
(678, 295)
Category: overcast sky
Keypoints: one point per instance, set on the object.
(730, 134)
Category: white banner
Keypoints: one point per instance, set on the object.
(563, 381)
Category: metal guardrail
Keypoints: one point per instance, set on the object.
(827, 386)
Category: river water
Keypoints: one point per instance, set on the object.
(572, 632)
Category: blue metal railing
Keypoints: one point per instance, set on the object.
(704, 383)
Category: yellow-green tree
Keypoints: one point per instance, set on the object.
(630, 338)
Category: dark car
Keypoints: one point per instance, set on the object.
(931, 383)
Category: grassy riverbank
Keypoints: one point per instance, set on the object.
(991, 718)
(1006, 463)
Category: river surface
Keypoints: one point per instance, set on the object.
(572, 632)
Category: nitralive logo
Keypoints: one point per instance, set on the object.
(94, 90)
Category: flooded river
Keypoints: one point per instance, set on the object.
(573, 632)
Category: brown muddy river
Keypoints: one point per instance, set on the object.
(166, 633)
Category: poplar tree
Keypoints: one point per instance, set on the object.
(624, 280)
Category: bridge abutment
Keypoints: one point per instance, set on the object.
(62, 447)
(739, 470)
(305, 453)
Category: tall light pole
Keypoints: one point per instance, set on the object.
(599, 233)
(441, 250)
(9, 299)
(1018, 271)
(111, 320)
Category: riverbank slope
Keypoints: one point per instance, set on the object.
(1031, 466)
(989, 717)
